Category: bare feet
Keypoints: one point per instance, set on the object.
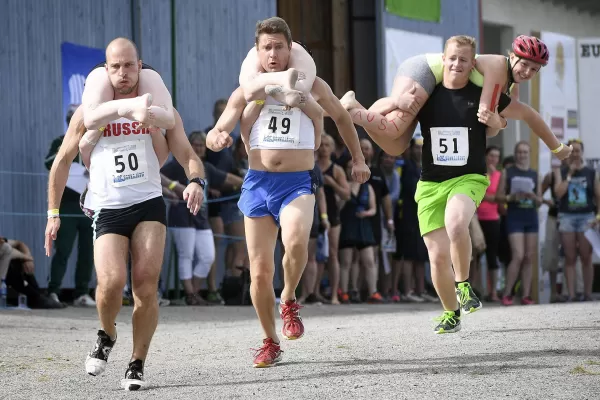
(138, 109)
(289, 97)
(349, 101)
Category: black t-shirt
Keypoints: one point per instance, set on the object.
(380, 187)
(454, 141)
(579, 198)
(179, 214)
(411, 173)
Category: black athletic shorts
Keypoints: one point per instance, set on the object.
(123, 221)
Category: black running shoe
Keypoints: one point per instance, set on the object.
(134, 376)
(449, 322)
(469, 302)
(95, 362)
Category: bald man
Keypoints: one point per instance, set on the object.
(123, 74)
(125, 199)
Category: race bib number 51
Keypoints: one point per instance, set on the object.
(128, 163)
(280, 128)
(450, 146)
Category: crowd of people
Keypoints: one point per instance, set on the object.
(354, 224)
(365, 243)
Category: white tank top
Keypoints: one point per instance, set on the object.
(124, 168)
(277, 128)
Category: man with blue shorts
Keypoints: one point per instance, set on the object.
(278, 190)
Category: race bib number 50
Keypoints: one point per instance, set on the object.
(280, 128)
(450, 146)
(127, 161)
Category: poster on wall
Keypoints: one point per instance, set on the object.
(588, 63)
(559, 109)
(77, 62)
(400, 45)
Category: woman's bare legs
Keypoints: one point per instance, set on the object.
(382, 129)
(87, 144)
(161, 112)
(99, 108)
(291, 87)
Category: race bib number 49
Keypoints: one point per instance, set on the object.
(127, 161)
(450, 146)
(280, 128)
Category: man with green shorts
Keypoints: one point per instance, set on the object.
(453, 179)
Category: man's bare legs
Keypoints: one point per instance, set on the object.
(110, 257)
(261, 237)
(310, 275)
(459, 212)
(296, 222)
(147, 248)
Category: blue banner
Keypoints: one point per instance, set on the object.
(77, 62)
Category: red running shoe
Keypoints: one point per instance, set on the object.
(526, 301)
(507, 300)
(269, 354)
(293, 328)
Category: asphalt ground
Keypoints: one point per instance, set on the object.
(348, 352)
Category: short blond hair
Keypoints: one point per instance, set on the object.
(462, 40)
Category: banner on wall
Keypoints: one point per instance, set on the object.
(400, 45)
(588, 63)
(423, 10)
(559, 109)
(77, 61)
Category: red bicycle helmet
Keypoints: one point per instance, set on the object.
(531, 48)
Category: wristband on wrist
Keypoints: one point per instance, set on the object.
(53, 213)
(324, 216)
(172, 185)
(558, 149)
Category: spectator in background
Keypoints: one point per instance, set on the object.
(387, 165)
(504, 254)
(225, 217)
(218, 109)
(340, 154)
(335, 188)
(489, 220)
(520, 189)
(551, 257)
(192, 234)
(20, 275)
(382, 201)
(71, 228)
(577, 189)
(357, 237)
(310, 276)
(410, 244)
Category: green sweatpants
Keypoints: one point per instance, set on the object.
(70, 227)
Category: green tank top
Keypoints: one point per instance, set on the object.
(436, 64)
